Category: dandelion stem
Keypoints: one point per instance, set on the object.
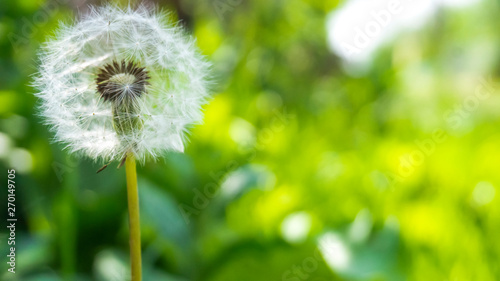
(133, 212)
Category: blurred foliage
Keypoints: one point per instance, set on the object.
(300, 172)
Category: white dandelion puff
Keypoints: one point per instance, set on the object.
(121, 81)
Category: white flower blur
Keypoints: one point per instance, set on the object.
(119, 81)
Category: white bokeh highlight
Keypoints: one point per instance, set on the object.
(295, 227)
(360, 27)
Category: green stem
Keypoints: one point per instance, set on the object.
(134, 224)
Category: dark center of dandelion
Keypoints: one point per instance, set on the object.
(121, 81)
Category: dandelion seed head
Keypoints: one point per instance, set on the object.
(121, 80)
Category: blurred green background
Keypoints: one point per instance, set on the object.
(303, 169)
